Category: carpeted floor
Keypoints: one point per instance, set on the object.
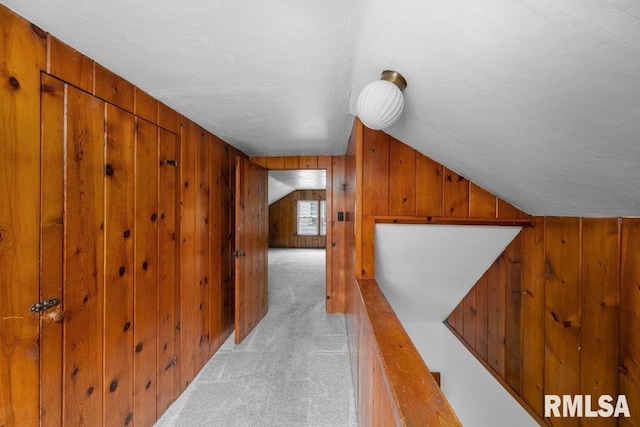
(292, 370)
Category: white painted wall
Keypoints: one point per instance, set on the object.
(476, 396)
(425, 271)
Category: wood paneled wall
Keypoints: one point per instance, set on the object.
(395, 180)
(558, 313)
(283, 223)
(138, 251)
(338, 234)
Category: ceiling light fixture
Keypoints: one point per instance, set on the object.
(381, 102)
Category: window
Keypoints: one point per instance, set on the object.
(312, 218)
(323, 218)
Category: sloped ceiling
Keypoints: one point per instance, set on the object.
(537, 101)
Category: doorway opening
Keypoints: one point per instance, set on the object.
(299, 214)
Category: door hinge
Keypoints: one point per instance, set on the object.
(239, 253)
(44, 305)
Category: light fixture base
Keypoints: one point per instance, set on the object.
(394, 77)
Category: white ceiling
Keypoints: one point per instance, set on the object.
(283, 182)
(535, 100)
(426, 270)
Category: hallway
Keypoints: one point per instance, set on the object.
(292, 370)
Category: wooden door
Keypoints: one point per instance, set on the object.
(251, 247)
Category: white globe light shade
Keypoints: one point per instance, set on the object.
(380, 104)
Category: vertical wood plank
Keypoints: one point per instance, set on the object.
(630, 319)
(250, 281)
(482, 204)
(262, 161)
(168, 119)
(145, 106)
(167, 278)
(203, 297)
(507, 210)
(52, 239)
(84, 258)
(600, 310)
(119, 267)
(113, 88)
(429, 186)
(402, 178)
(456, 318)
(496, 316)
(375, 174)
(326, 163)
(456, 194)
(375, 184)
(146, 281)
(215, 227)
(533, 316)
(337, 294)
(562, 306)
(22, 56)
(226, 242)
(290, 162)
(469, 318)
(275, 162)
(513, 314)
(187, 253)
(482, 316)
(308, 162)
(70, 65)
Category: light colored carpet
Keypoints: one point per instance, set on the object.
(292, 370)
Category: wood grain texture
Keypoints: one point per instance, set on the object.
(482, 204)
(215, 258)
(227, 243)
(496, 277)
(113, 88)
(145, 106)
(600, 309)
(456, 317)
(429, 186)
(563, 309)
(395, 386)
(308, 162)
(402, 181)
(52, 240)
(168, 119)
(533, 317)
(187, 274)
(456, 194)
(251, 288)
(469, 312)
(507, 210)
(283, 225)
(629, 370)
(146, 283)
(119, 234)
(84, 290)
(168, 318)
(203, 288)
(482, 317)
(69, 65)
(22, 56)
(326, 163)
(513, 314)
